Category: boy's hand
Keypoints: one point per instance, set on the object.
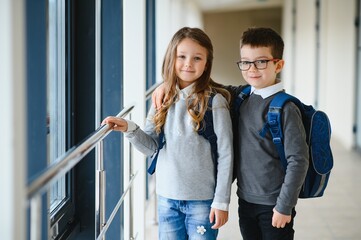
(221, 217)
(118, 124)
(280, 220)
(158, 96)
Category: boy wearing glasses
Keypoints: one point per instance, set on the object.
(267, 194)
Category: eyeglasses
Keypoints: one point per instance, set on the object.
(259, 64)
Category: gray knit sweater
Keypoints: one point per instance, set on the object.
(260, 176)
(185, 170)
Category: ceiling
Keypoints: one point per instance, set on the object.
(234, 5)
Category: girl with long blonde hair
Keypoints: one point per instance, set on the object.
(193, 198)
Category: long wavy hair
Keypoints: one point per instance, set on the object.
(203, 87)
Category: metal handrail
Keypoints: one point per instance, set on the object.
(61, 166)
(73, 156)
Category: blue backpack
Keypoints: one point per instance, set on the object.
(207, 131)
(318, 133)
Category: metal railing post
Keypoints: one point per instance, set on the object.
(100, 191)
(35, 217)
(100, 173)
(117, 206)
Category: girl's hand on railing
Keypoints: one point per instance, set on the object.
(117, 124)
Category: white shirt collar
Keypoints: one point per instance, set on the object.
(268, 91)
(185, 92)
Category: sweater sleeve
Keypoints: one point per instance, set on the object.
(296, 152)
(223, 130)
(146, 141)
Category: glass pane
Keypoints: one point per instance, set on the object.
(56, 94)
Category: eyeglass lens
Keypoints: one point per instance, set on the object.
(260, 64)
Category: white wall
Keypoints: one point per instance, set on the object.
(289, 41)
(338, 68)
(12, 120)
(134, 93)
(337, 60)
(305, 52)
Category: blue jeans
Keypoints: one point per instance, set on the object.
(185, 220)
(255, 222)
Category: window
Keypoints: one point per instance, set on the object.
(56, 94)
(60, 199)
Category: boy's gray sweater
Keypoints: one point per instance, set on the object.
(260, 175)
(185, 170)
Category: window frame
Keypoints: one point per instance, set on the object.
(61, 211)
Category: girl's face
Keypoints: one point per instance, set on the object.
(260, 78)
(191, 60)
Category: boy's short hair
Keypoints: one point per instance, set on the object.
(264, 37)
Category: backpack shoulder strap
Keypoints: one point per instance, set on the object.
(274, 121)
(236, 104)
(207, 130)
(244, 93)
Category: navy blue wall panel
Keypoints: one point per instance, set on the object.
(112, 103)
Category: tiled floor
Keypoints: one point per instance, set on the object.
(335, 216)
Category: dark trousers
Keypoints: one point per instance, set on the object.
(255, 222)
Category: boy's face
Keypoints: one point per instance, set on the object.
(260, 78)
